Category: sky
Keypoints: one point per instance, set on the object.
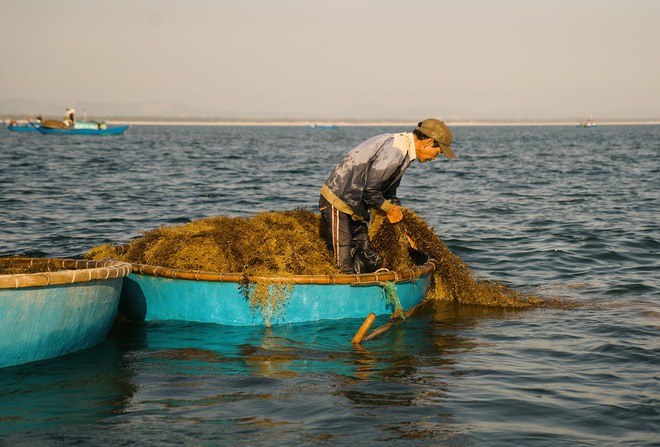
(358, 59)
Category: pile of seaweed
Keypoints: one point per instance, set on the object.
(266, 244)
(291, 243)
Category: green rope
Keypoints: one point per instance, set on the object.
(393, 300)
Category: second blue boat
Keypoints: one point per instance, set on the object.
(56, 307)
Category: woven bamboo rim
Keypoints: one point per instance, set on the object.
(67, 271)
(362, 279)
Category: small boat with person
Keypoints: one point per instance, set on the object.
(54, 127)
(272, 268)
(68, 126)
(51, 307)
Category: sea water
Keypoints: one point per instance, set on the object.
(555, 211)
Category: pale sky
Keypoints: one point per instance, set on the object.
(342, 58)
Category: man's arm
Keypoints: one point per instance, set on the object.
(383, 169)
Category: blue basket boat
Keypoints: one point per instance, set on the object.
(65, 306)
(160, 293)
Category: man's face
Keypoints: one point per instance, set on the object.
(427, 150)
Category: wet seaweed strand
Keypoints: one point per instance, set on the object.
(453, 278)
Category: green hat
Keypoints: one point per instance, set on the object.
(439, 131)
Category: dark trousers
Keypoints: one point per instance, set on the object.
(348, 240)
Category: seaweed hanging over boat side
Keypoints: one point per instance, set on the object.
(453, 278)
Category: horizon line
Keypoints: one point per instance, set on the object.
(346, 122)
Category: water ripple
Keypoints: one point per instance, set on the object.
(557, 211)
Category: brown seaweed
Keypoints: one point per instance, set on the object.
(290, 243)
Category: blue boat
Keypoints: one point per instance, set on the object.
(159, 293)
(84, 128)
(23, 127)
(58, 306)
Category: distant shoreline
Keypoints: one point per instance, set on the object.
(155, 121)
(279, 123)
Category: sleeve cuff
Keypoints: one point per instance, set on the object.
(386, 206)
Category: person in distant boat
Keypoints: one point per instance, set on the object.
(71, 117)
(368, 177)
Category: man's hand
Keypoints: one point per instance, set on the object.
(395, 215)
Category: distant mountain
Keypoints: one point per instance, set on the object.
(102, 109)
(360, 112)
(26, 107)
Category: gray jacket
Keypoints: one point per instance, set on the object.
(369, 175)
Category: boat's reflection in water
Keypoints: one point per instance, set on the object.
(159, 373)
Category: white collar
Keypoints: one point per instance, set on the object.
(405, 142)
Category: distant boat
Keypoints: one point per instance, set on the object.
(588, 123)
(319, 126)
(54, 127)
(30, 126)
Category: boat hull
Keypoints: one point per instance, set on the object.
(42, 316)
(46, 322)
(23, 127)
(149, 297)
(115, 130)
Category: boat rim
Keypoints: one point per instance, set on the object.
(69, 271)
(378, 277)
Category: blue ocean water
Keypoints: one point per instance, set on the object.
(551, 210)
